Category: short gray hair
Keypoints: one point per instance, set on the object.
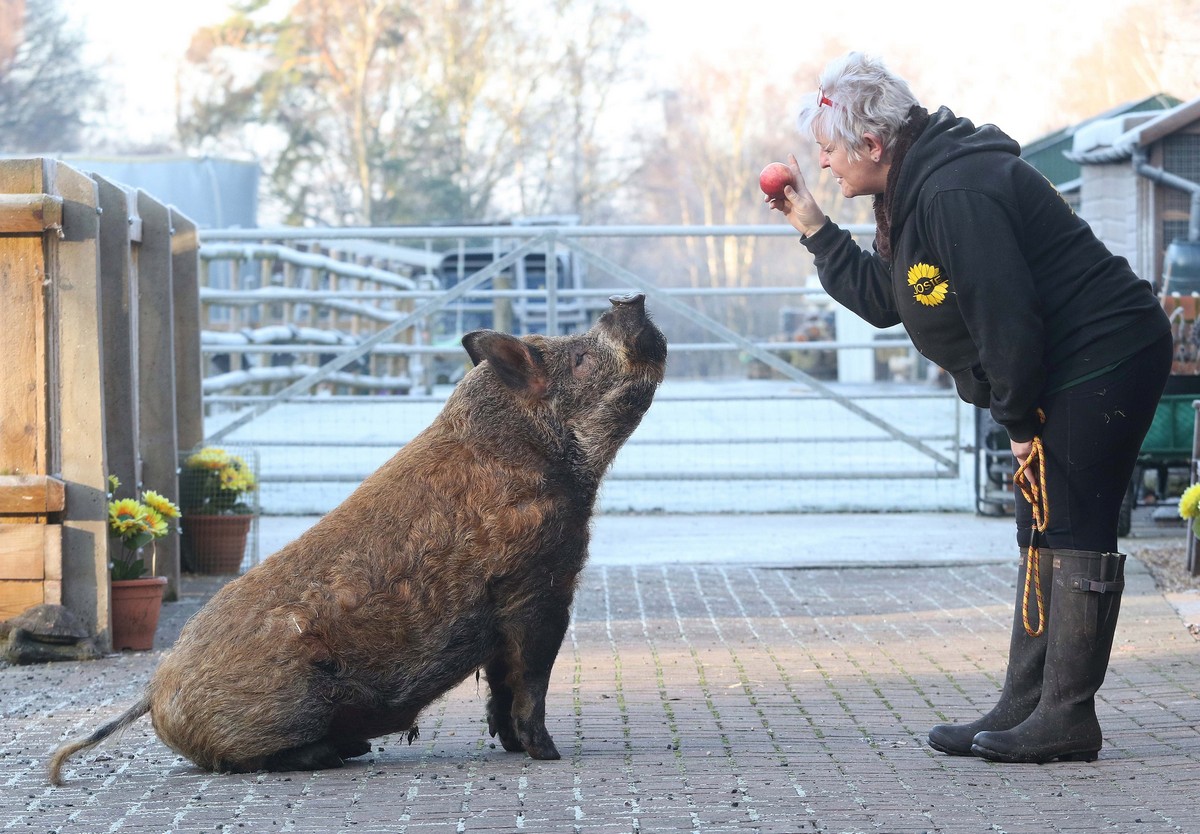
(857, 95)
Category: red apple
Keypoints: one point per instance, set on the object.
(773, 179)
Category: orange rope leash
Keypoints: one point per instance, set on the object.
(1034, 490)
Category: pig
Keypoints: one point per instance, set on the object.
(461, 553)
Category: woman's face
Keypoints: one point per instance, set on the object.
(865, 175)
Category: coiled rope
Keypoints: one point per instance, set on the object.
(1034, 490)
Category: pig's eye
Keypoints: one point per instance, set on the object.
(583, 363)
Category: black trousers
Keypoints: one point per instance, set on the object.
(1091, 438)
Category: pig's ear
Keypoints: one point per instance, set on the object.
(518, 364)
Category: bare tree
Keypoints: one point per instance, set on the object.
(1152, 47)
(584, 154)
(383, 111)
(46, 88)
(311, 90)
(12, 13)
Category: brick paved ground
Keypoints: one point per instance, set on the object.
(685, 698)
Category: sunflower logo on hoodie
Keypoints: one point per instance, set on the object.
(929, 287)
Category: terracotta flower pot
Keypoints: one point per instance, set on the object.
(136, 604)
(217, 542)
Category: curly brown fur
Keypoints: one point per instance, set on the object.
(461, 552)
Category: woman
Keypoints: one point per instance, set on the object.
(997, 281)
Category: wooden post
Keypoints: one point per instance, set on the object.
(157, 438)
(120, 227)
(73, 339)
(189, 370)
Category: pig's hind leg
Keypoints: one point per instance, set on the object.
(350, 748)
(317, 755)
(339, 742)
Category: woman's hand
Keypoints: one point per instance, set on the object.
(1021, 449)
(797, 203)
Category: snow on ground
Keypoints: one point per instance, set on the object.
(746, 446)
(826, 540)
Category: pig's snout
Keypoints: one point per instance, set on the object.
(627, 321)
(629, 299)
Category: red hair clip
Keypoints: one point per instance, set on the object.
(822, 99)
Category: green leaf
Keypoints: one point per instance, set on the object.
(131, 569)
(140, 540)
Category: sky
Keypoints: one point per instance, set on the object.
(995, 64)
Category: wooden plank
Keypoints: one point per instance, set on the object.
(24, 547)
(158, 441)
(29, 213)
(23, 176)
(73, 262)
(118, 313)
(185, 275)
(31, 494)
(52, 565)
(23, 430)
(18, 596)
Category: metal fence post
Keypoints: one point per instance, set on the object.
(1193, 567)
(551, 284)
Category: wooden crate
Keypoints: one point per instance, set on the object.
(96, 279)
(53, 475)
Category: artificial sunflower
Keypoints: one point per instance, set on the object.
(127, 517)
(1189, 502)
(160, 504)
(209, 458)
(136, 524)
(156, 525)
(214, 482)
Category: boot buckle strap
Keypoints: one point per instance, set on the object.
(1085, 585)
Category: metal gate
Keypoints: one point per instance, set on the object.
(772, 443)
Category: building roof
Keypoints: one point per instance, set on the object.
(214, 192)
(1049, 153)
(1116, 139)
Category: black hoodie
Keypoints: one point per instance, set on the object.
(993, 275)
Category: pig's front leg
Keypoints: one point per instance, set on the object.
(531, 643)
(499, 705)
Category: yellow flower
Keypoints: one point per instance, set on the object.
(233, 475)
(160, 504)
(156, 525)
(208, 458)
(236, 476)
(929, 287)
(126, 516)
(1189, 502)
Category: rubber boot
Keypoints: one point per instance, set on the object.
(1083, 619)
(1022, 681)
